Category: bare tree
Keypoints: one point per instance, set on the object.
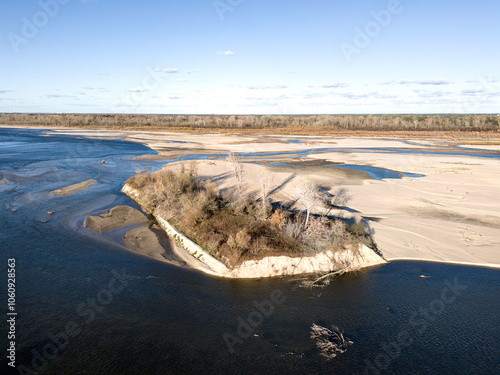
(237, 169)
(266, 183)
(309, 195)
(341, 197)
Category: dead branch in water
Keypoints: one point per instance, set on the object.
(329, 342)
(335, 273)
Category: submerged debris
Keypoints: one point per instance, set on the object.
(322, 281)
(329, 342)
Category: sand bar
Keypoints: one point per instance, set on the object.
(72, 189)
(116, 218)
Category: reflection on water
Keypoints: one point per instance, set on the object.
(160, 319)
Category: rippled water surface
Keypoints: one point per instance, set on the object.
(132, 315)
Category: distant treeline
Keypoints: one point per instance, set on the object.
(441, 122)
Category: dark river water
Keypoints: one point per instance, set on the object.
(86, 305)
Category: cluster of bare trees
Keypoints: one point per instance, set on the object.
(318, 232)
(457, 122)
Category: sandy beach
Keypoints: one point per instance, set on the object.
(446, 208)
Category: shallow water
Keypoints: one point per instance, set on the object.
(171, 320)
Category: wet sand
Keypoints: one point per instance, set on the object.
(145, 240)
(73, 189)
(117, 217)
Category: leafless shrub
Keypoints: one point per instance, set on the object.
(293, 229)
(243, 239)
(318, 227)
(266, 185)
(339, 234)
(258, 245)
(329, 342)
(318, 234)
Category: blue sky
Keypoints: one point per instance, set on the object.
(250, 57)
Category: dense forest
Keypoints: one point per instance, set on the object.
(294, 123)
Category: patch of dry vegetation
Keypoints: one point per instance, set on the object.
(234, 228)
(293, 124)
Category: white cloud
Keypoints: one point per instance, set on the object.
(472, 92)
(353, 96)
(52, 96)
(225, 53)
(167, 70)
(336, 85)
(435, 82)
(475, 92)
(191, 71)
(432, 94)
(485, 79)
(136, 90)
(272, 87)
(314, 95)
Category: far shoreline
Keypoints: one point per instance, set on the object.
(454, 135)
